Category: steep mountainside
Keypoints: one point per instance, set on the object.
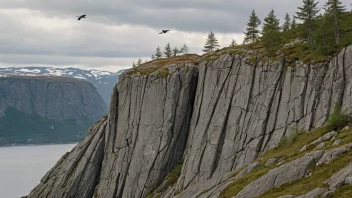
(47, 109)
(104, 81)
(214, 114)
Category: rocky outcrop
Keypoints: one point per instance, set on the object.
(314, 193)
(341, 178)
(219, 112)
(292, 171)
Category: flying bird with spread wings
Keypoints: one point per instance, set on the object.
(80, 17)
(164, 31)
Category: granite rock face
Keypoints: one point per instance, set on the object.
(148, 128)
(242, 110)
(220, 114)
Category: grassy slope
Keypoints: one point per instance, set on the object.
(290, 150)
(18, 127)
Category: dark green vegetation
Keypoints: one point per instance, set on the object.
(271, 33)
(175, 173)
(337, 119)
(20, 128)
(289, 150)
(344, 192)
(320, 36)
(252, 30)
(171, 180)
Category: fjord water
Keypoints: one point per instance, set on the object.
(22, 167)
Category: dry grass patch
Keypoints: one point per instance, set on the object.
(147, 68)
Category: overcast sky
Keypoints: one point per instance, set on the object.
(118, 32)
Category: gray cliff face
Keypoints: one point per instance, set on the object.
(219, 115)
(144, 138)
(52, 97)
(243, 110)
(148, 126)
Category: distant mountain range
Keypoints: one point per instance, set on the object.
(104, 81)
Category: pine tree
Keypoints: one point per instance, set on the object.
(308, 12)
(153, 57)
(139, 62)
(184, 49)
(293, 23)
(133, 65)
(158, 53)
(323, 37)
(287, 23)
(335, 9)
(252, 31)
(211, 44)
(271, 33)
(175, 51)
(168, 51)
(233, 43)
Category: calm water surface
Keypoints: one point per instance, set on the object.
(22, 167)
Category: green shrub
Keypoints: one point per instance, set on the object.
(172, 177)
(337, 119)
(289, 140)
(163, 72)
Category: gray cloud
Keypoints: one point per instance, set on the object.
(196, 15)
(225, 16)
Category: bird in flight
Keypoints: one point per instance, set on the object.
(80, 17)
(164, 31)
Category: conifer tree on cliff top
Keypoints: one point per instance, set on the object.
(211, 44)
(308, 13)
(158, 53)
(287, 24)
(175, 51)
(168, 51)
(233, 43)
(271, 33)
(184, 49)
(335, 9)
(252, 30)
